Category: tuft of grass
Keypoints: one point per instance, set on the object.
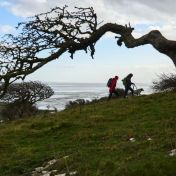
(96, 139)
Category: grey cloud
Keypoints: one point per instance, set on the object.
(164, 6)
(144, 12)
(108, 9)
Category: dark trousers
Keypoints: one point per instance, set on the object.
(111, 92)
(127, 88)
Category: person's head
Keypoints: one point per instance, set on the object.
(116, 77)
(130, 75)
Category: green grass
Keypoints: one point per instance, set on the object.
(96, 139)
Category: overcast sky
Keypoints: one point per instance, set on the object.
(144, 15)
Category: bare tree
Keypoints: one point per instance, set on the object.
(59, 31)
(165, 83)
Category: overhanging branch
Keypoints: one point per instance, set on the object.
(59, 31)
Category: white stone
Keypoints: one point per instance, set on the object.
(52, 162)
(172, 152)
(47, 174)
(44, 172)
(39, 169)
(73, 173)
(61, 174)
(132, 139)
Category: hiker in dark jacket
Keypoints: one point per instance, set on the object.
(127, 83)
(112, 86)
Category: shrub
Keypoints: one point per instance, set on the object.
(17, 110)
(21, 98)
(165, 83)
(119, 92)
(32, 92)
(79, 102)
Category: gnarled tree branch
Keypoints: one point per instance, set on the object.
(59, 31)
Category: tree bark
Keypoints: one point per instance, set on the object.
(154, 38)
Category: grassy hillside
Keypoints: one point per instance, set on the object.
(97, 139)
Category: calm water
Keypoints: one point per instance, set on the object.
(65, 92)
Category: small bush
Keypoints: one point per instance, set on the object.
(119, 92)
(17, 110)
(21, 98)
(80, 102)
(77, 102)
(32, 92)
(165, 83)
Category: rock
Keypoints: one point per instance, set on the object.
(46, 170)
(73, 173)
(132, 139)
(51, 162)
(61, 174)
(149, 139)
(172, 152)
(39, 169)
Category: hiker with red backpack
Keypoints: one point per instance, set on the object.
(112, 85)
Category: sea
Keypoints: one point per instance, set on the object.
(66, 92)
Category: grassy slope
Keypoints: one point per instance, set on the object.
(96, 138)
